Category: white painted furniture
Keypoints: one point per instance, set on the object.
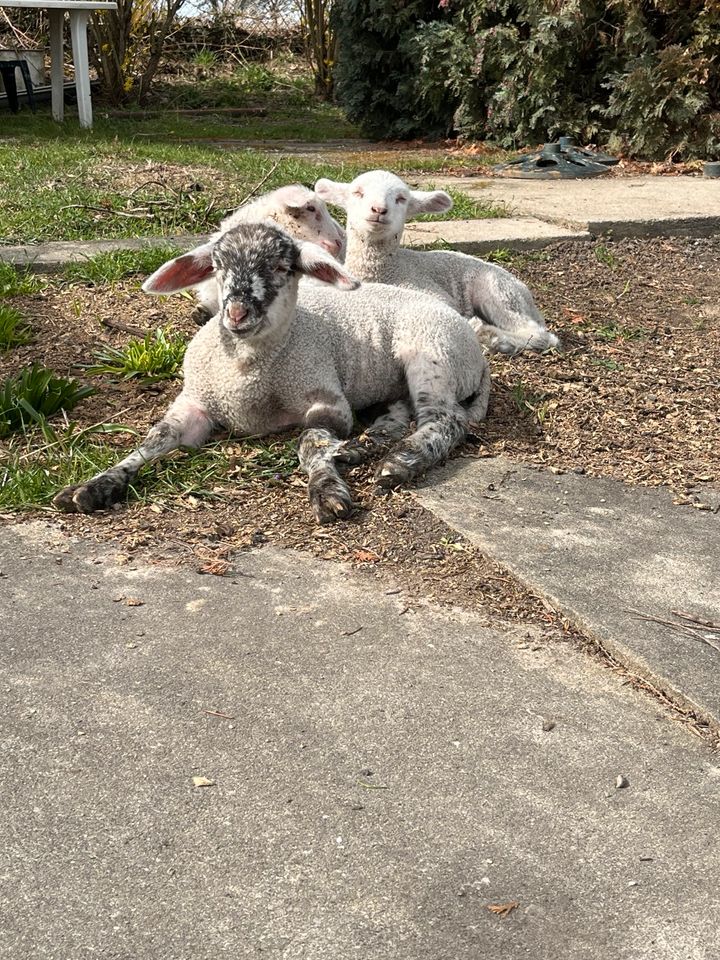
(79, 12)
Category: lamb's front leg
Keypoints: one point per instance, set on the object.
(186, 424)
(327, 420)
(441, 424)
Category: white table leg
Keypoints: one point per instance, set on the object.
(56, 63)
(78, 32)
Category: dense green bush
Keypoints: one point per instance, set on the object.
(641, 75)
(376, 69)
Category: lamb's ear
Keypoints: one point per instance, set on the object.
(315, 262)
(295, 196)
(428, 201)
(332, 192)
(185, 271)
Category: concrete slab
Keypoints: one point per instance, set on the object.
(378, 779)
(604, 553)
(482, 236)
(470, 236)
(52, 257)
(623, 206)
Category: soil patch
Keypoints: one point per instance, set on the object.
(634, 394)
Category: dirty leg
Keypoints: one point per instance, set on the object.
(185, 424)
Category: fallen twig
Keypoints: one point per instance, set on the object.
(690, 631)
(125, 327)
(147, 183)
(702, 623)
(107, 210)
(257, 186)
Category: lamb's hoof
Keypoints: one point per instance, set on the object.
(98, 494)
(397, 469)
(330, 499)
(200, 315)
(351, 453)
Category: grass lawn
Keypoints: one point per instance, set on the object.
(144, 174)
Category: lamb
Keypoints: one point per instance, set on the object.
(266, 363)
(295, 209)
(378, 203)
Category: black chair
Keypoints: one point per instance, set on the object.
(7, 72)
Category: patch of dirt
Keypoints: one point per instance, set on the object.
(633, 396)
(172, 177)
(70, 323)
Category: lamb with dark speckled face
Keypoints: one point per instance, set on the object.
(270, 360)
(252, 266)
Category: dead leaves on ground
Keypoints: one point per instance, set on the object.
(503, 909)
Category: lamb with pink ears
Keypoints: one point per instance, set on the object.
(498, 305)
(295, 209)
(266, 363)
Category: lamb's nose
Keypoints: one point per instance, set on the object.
(236, 312)
(379, 210)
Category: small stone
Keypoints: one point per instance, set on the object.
(203, 782)
(621, 782)
(548, 725)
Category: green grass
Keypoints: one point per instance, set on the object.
(158, 356)
(14, 332)
(605, 364)
(19, 283)
(604, 254)
(65, 187)
(529, 402)
(465, 207)
(612, 331)
(116, 265)
(34, 467)
(207, 59)
(139, 175)
(35, 394)
(63, 184)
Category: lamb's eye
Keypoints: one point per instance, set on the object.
(281, 268)
(310, 208)
(401, 200)
(358, 193)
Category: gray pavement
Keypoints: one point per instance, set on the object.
(622, 206)
(468, 236)
(52, 257)
(606, 554)
(379, 778)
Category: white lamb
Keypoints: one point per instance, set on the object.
(265, 364)
(295, 209)
(378, 203)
